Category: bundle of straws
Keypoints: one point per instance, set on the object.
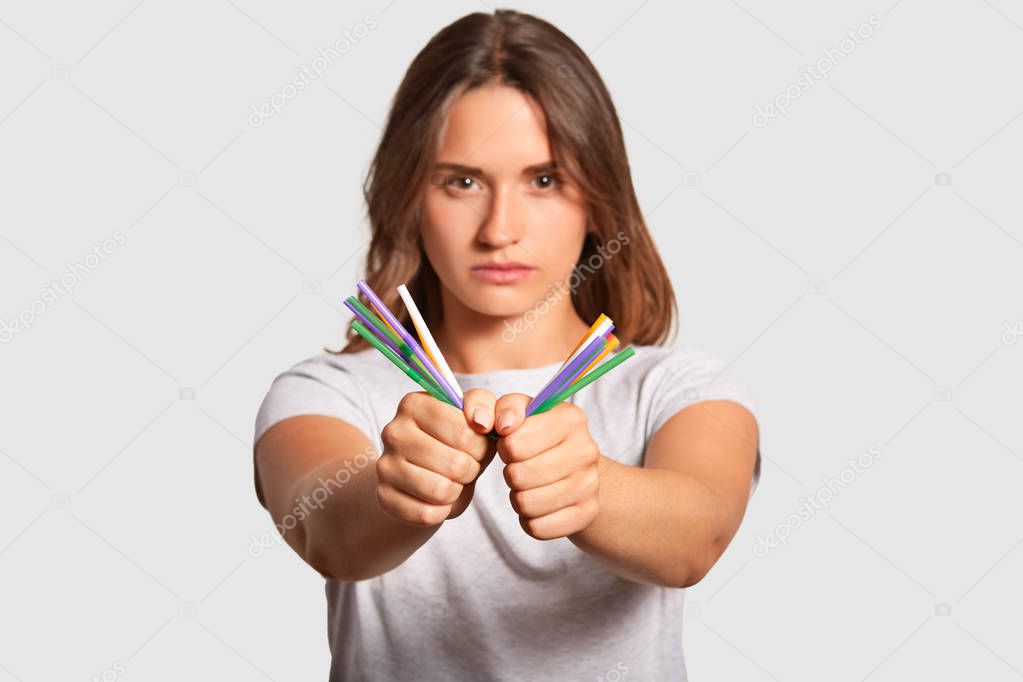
(425, 364)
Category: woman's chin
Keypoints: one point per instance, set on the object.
(512, 307)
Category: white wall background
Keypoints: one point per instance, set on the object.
(856, 259)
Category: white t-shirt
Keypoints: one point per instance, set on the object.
(481, 600)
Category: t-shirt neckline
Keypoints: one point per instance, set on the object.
(517, 372)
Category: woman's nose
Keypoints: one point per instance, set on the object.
(502, 224)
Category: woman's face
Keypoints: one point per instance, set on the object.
(501, 225)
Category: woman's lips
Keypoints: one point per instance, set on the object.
(503, 273)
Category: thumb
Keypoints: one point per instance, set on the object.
(510, 411)
(479, 409)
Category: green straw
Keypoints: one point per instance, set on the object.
(383, 330)
(582, 368)
(594, 374)
(365, 333)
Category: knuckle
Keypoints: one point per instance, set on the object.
(521, 501)
(453, 490)
(438, 514)
(512, 448)
(475, 469)
(512, 476)
(446, 491)
(573, 414)
(387, 498)
(465, 469)
(410, 403)
(421, 515)
(426, 515)
(383, 466)
(392, 434)
(387, 433)
(534, 528)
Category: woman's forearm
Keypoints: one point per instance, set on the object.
(344, 533)
(655, 525)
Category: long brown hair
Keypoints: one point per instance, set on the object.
(531, 55)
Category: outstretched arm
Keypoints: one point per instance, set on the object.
(352, 515)
(664, 523)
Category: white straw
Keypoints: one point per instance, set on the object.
(599, 331)
(427, 337)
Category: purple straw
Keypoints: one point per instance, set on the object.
(399, 328)
(373, 328)
(569, 371)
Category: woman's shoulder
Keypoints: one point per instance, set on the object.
(673, 355)
(341, 385)
(683, 362)
(359, 366)
(674, 376)
(679, 376)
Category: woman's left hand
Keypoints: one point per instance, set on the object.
(551, 466)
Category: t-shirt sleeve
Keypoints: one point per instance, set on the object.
(691, 376)
(320, 385)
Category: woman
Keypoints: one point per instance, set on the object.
(501, 194)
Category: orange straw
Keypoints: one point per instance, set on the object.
(611, 345)
(585, 337)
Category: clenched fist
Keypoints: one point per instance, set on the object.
(433, 454)
(551, 466)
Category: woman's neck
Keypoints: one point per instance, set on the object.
(473, 343)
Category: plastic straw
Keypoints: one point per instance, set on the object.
(387, 335)
(563, 376)
(366, 317)
(584, 359)
(407, 338)
(384, 319)
(602, 326)
(428, 342)
(397, 361)
(587, 380)
(584, 340)
(612, 343)
(427, 367)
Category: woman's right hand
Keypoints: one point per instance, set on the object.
(433, 454)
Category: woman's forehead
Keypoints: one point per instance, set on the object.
(495, 127)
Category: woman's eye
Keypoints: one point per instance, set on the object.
(462, 182)
(546, 181)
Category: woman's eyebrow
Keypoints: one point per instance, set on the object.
(459, 168)
(472, 170)
(540, 167)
